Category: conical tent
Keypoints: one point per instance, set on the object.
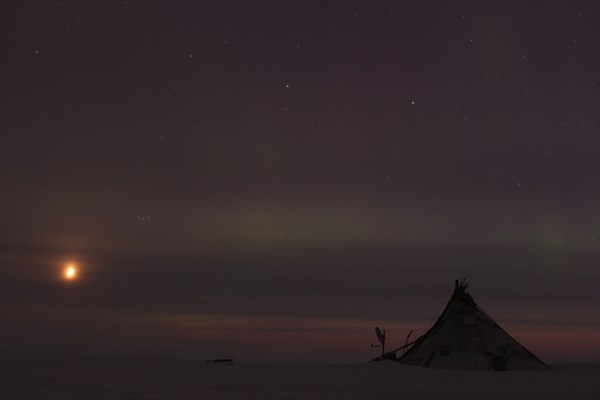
(465, 337)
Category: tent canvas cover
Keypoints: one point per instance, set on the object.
(465, 337)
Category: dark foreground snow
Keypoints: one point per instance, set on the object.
(43, 376)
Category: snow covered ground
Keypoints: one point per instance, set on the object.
(44, 376)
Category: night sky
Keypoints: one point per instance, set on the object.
(268, 181)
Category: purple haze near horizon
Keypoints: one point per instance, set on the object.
(271, 180)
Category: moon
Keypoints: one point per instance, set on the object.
(70, 272)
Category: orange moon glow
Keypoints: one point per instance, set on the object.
(70, 272)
